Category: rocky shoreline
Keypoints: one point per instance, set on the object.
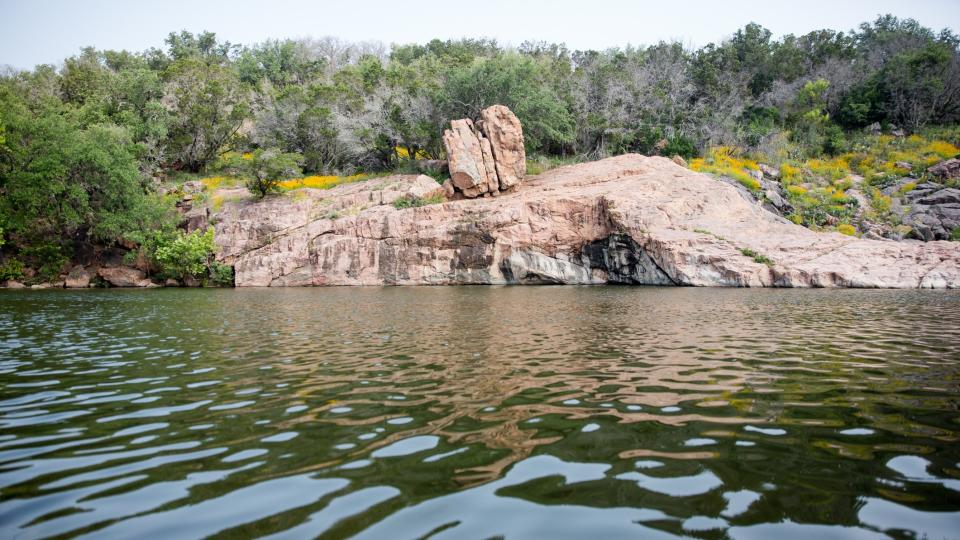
(629, 219)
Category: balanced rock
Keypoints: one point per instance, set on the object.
(487, 157)
(503, 130)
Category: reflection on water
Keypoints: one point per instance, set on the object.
(480, 411)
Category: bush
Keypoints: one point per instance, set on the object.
(47, 258)
(757, 257)
(846, 229)
(181, 255)
(416, 202)
(955, 235)
(269, 168)
(221, 274)
(11, 270)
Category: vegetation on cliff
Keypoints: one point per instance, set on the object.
(84, 145)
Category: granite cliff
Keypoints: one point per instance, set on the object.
(629, 219)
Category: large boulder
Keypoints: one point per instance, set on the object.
(946, 170)
(78, 278)
(468, 170)
(934, 211)
(487, 157)
(503, 130)
(124, 276)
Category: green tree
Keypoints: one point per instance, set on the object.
(270, 167)
(519, 83)
(208, 106)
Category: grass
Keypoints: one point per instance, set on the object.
(541, 164)
(757, 257)
(704, 231)
(416, 202)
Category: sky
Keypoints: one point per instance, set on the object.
(47, 31)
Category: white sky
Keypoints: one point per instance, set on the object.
(46, 31)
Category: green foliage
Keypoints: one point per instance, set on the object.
(416, 202)
(955, 234)
(11, 269)
(518, 82)
(182, 255)
(269, 168)
(208, 105)
(49, 259)
(757, 257)
(221, 275)
(63, 180)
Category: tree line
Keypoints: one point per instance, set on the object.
(82, 144)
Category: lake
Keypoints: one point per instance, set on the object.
(477, 412)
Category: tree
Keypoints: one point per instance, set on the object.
(517, 82)
(208, 106)
(61, 182)
(269, 168)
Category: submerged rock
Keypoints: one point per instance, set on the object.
(628, 219)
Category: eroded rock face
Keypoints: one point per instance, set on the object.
(488, 157)
(628, 219)
(934, 211)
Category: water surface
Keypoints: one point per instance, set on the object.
(475, 412)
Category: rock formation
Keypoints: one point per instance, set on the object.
(627, 219)
(934, 211)
(486, 158)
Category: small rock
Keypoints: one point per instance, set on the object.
(448, 190)
(903, 165)
(190, 281)
(170, 282)
(874, 128)
(769, 172)
(15, 285)
(193, 186)
(679, 161)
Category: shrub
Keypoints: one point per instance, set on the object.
(757, 257)
(221, 274)
(955, 234)
(183, 255)
(269, 168)
(11, 269)
(47, 258)
(846, 229)
(415, 202)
